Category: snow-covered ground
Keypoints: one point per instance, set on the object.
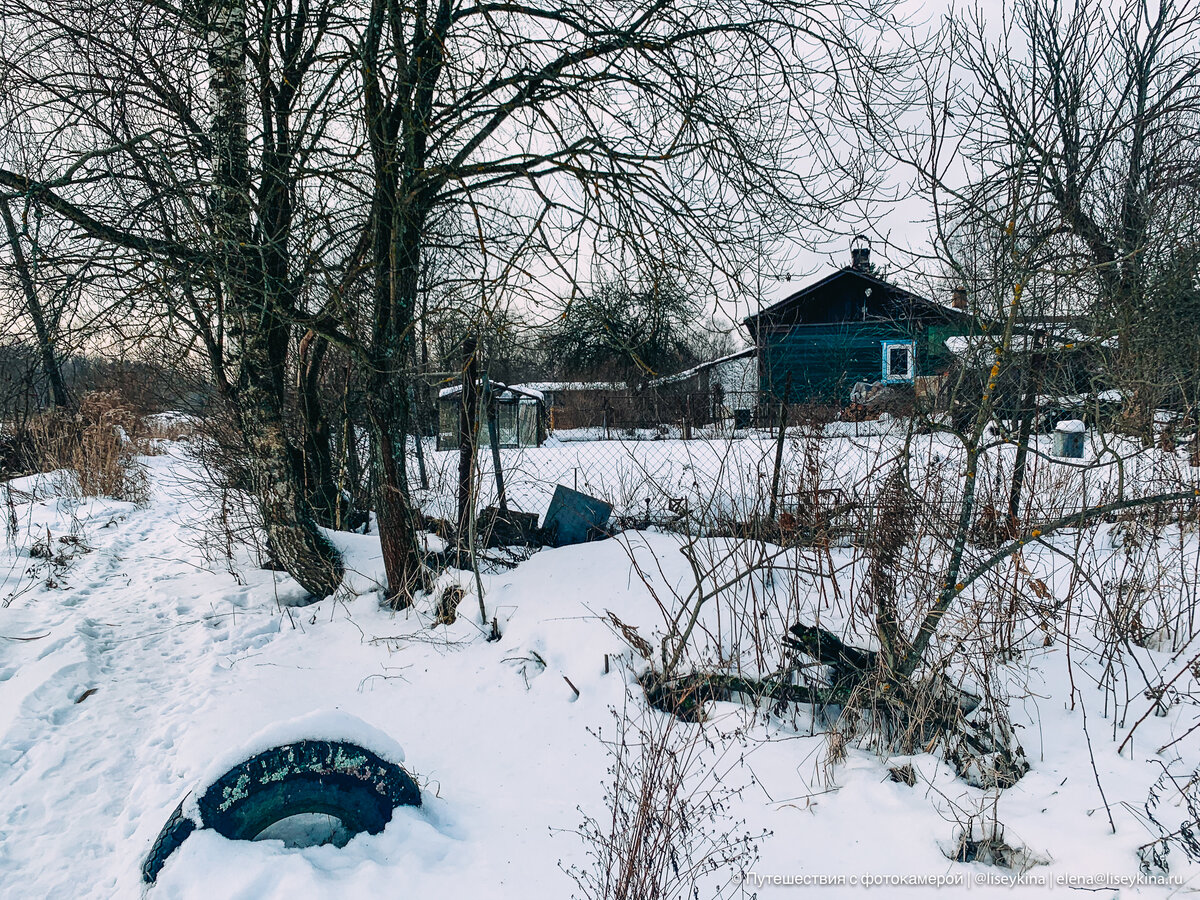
(130, 666)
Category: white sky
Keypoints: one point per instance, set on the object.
(898, 228)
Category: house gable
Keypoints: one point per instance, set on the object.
(850, 295)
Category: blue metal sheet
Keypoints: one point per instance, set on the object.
(574, 518)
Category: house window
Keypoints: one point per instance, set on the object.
(899, 360)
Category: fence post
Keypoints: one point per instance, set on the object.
(418, 394)
(494, 439)
(467, 432)
(418, 434)
(787, 390)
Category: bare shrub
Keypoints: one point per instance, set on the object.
(169, 427)
(227, 518)
(981, 839)
(1173, 809)
(16, 452)
(668, 834)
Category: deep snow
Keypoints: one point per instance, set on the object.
(190, 669)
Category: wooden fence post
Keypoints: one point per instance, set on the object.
(493, 412)
(467, 432)
(787, 390)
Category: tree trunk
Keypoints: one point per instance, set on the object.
(262, 338)
(320, 486)
(396, 248)
(1033, 385)
(493, 420)
(397, 129)
(416, 410)
(41, 326)
(297, 542)
(395, 514)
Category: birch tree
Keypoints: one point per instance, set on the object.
(143, 117)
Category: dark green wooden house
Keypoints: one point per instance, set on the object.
(852, 327)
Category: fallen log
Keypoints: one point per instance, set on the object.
(895, 714)
(848, 665)
(686, 695)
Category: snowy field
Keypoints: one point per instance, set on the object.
(130, 665)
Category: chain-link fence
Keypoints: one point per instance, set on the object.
(717, 479)
(816, 480)
(587, 415)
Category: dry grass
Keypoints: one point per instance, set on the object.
(167, 427)
(96, 447)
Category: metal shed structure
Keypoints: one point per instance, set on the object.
(519, 410)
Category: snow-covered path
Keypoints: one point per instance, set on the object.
(185, 664)
(119, 666)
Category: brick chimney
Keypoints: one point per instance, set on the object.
(860, 254)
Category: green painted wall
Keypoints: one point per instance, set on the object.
(824, 361)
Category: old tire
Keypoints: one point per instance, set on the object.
(178, 827)
(333, 777)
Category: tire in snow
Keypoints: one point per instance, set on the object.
(336, 778)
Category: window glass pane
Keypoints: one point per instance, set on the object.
(507, 424)
(527, 423)
(898, 362)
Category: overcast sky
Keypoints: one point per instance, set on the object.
(898, 227)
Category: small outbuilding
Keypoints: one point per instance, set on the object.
(519, 410)
(583, 404)
(716, 390)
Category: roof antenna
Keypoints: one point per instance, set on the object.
(860, 254)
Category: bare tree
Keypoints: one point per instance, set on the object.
(1079, 126)
(545, 129)
(46, 317)
(1060, 159)
(634, 331)
(219, 156)
(203, 212)
(1057, 224)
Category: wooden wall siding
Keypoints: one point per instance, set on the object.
(828, 336)
(824, 361)
(938, 357)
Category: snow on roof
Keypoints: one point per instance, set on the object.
(548, 386)
(677, 377)
(502, 391)
(895, 290)
(694, 370)
(1068, 339)
(527, 390)
(1071, 426)
(1109, 396)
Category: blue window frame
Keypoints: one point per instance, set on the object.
(899, 361)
